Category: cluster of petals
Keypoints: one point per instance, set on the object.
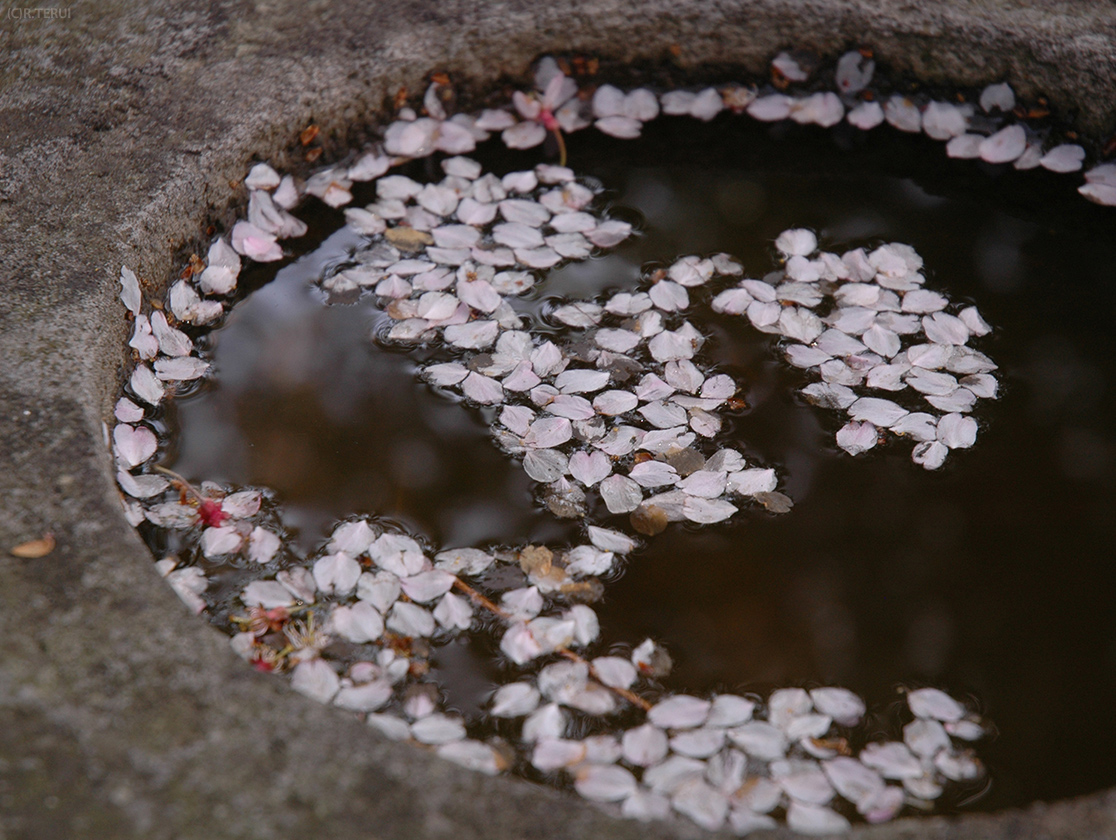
(630, 414)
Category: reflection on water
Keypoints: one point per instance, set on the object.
(994, 576)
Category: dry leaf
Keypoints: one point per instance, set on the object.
(308, 134)
(408, 239)
(34, 548)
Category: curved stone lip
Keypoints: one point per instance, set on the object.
(126, 128)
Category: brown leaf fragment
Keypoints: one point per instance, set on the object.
(775, 502)
(583, 591)
(308, 134)
(33, 549)
(536, 559)
(407, 238)
(649, 520)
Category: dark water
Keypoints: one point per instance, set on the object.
(994, 577)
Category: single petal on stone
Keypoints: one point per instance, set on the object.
(130, 293)
(998, 97)
(437, 729)
(607, 783)
(854, 72)
(815, 819)
(702, 803)
(316, 679)
(133, 444)
(644, 746)
(796, 242)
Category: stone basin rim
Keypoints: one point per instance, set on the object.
(164, 732)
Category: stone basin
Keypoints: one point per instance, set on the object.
(126, 128)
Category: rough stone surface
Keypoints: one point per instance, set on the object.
(125, 129)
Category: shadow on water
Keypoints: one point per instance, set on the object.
(992, 577)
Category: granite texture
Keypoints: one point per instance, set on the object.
(124, 130)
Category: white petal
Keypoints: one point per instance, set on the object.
(1066, 157)
(437, 729)
(965, 146)
(336, 573)
(316, 679)
(267, 594)
(815, 820)
(703, 804)
(146, 385)
(133, 444)
(130, 290)
(262, 545)
(866, 115)
(608, 783)
(1005, 145)
(997, 97)
(427, 586)
(410, 620)
(903, 114)
(839, 703)
(359, 623)
(679, 712)
(609, 540)
(454, 612)
(856, 438)
(515, 700)
(934, 703)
